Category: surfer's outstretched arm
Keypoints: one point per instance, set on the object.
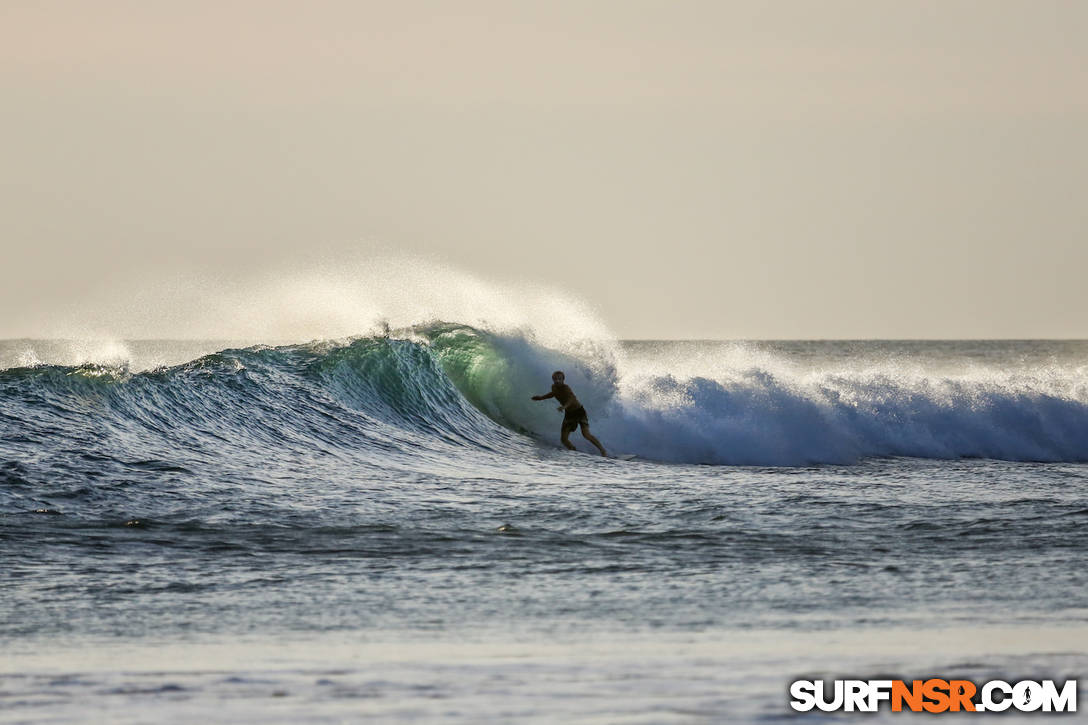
(544, 397)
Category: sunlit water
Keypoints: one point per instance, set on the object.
(387, 528)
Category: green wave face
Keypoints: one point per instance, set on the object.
(499, 374)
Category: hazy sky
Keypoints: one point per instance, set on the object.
(760, 169)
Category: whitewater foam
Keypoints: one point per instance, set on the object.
(750, 406)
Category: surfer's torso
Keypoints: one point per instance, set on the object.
(565, 395)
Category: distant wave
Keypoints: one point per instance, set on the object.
(453, 390)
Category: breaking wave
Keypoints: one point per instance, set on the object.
(426, 395)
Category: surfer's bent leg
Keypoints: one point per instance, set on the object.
(564, 436)
(592, 439)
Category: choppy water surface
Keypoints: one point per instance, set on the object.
(386, 527)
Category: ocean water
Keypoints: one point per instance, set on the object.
(386, 528)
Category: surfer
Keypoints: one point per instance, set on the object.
(574, 415)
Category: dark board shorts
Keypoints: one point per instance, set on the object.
(573, 418)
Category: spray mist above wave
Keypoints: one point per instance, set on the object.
(345, 300)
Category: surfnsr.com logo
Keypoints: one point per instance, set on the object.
(933, 695)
